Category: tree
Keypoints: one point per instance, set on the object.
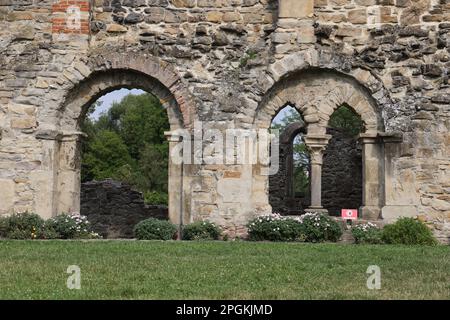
(127, 143)
(140, 120)
(347, 120)
(104, 156)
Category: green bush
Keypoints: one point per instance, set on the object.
(274, 227)
(31, 226)
(408, 231)
(48, 233)
(21, 226)
(69, 226)
(201, 230)
(367, 233)
(156, 198)
(318, 227)
(154, 229)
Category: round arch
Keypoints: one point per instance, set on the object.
(316, 93)
(102, 74)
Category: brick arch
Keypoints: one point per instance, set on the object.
(99, 75)
(104, 73)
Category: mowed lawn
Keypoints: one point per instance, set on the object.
(220, 270)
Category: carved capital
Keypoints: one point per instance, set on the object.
(316, 145)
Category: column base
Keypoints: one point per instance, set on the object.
(370, 212)
(317, 210)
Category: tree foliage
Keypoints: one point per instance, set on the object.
(347, 120)
(127, 143)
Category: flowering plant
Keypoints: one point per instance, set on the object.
(367, 233)
(71, 226)
(274, 227)
(318, 227)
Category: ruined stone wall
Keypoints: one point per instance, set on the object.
(342, 173)
(114, 208)
(222, 62)
(341, 178)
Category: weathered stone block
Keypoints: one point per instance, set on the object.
(296, 8)
(358, 16)
(391, 213)
(7, 196)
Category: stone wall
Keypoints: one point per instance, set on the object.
(342, 173)
(231, 64)
(114, 208)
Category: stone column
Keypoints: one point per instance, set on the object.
(289, 174)
(45, 180)
(175, 184)
(373, 176)
(69, 173)
(316, 145)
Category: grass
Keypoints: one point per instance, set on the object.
(220, 270)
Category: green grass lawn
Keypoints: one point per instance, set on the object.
(220, 270)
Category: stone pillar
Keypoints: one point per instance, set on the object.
(45, 180)
(69, 173)
(177, 212)
(373, 176)
(289, 163)
(316, 145)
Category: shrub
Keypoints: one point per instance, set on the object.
(154, 229)
(32, 226)
(274, 227)
(318, 227)
(156, 198)
(69, 226)
(21, 226)
(367, 233)
(201, 230)
(47, 233)
(408, 231)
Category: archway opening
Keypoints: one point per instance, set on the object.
(124, 161)
(289, 188)
(342, 163)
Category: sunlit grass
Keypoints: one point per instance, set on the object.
(220, 270)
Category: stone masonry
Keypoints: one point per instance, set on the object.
(231, 64)
(342, 173)
(114, 208)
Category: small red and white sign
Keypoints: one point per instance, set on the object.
(349, 214)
